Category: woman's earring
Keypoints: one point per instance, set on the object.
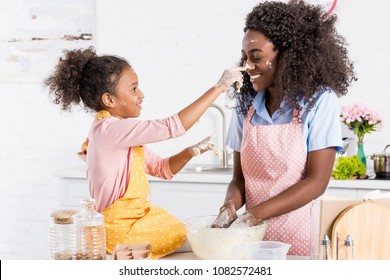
(269, 64)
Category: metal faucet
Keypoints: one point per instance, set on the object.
(224, 152)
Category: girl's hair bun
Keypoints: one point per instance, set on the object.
(64, 83)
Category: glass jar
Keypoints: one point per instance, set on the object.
(61, 227)
(89, 235)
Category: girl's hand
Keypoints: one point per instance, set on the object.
(227, 215)
(246, 220)
(231, 76)
(203, 146)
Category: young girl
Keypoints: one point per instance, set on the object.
(117, 158)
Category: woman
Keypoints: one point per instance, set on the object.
(285, 130)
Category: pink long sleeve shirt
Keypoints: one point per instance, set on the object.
(110, 154)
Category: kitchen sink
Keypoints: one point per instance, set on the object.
(207, 169)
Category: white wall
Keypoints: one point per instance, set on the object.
(179, 49)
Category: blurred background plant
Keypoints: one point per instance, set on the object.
(348, 167)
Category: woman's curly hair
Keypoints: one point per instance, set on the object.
(313, 57)
(81, 75)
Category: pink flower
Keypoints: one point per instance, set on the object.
(361, 120)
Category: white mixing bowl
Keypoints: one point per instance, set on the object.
(218, 243)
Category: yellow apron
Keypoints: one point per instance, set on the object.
(132, 220)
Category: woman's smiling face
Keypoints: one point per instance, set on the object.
(260, 58)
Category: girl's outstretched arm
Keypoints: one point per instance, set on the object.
(191, 114)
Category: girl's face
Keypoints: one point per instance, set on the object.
(260, 58)
(128, 96)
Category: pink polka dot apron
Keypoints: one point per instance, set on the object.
(273, 158)
(132, 220)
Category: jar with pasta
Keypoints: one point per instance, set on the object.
(61, 228)
(89, 235)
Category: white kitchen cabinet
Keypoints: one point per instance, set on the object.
(187, 195)
(72, 192)
(185, 199)
(196, 194)
(190, 194)
(73, 187)
(342, 192)
(356, 188)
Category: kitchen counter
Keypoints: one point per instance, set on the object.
(203, 177)
(79, 172)
(181, 256)
(197, 193)
(183, 195)
(192, 256)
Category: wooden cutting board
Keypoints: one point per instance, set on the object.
(369, 225)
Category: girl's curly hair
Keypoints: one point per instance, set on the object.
(81, 75)
(313, 57)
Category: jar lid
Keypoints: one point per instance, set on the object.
(63, 216)
(88, 216)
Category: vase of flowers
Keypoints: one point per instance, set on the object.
(361, 121)
(361, 154)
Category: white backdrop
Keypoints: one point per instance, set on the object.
(179, 49)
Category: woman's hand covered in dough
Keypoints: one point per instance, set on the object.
(203, 146)
(247, 219)
(227, 215)
(231, 76)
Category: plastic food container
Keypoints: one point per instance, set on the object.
(262, 250)
(218, 243)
